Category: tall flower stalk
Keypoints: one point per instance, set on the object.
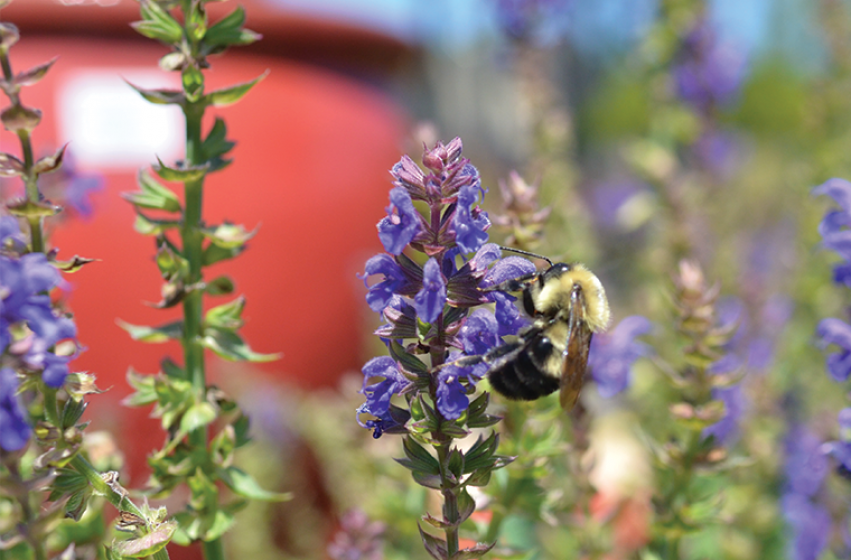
(437, 263)
(186, 244)
(41, 400)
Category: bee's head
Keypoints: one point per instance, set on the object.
(555, 271)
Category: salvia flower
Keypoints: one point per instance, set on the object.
(806, 469)
(14, 429)
(612, 354)
(708, 72)
(434, 273)
(24, 301)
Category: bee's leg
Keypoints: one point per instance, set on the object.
(513, 285)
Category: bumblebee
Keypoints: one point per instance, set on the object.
(567, 304)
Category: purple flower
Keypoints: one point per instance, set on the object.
(837, 332)
(14, 429)
(471, 223)
(811, 526)
(834, 226)
(379, 294)
(726, 430)
(378, 394)
(430, 300)
(79, 188)
(401, 224)
(452, 398)
(480, 333)
(612, 355)
(708, 72)
(806, 463)
(358, 538)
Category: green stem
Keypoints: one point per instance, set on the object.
(450, 502)
(213, 550)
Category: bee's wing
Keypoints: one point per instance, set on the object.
(575, 351)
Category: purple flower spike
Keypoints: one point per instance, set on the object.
(470, 223)
(14, 430)
(410, 177)
(811, 526)
(401, 224)
(806, 462)
(430, 300)
(838, 332)
(613, 354)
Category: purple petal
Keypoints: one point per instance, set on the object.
(430, 300)
(508, 268)
(507, 316)
(14, 429)
(379, 294)
(452, 398)
(402, 223)
(837, 189)
(479, 333)
(470, 223)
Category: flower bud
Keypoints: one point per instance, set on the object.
(18, 117)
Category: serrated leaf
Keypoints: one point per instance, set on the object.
(152, 195)
(230, 346)
(154, 335)
(181, 175)
(409, 362)
(243, 484)
(199, 415)
(161, 96)
(420, 459)
(452, 429)
(230, 95)
(146, 545)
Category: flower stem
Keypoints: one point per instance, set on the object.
(450, 500)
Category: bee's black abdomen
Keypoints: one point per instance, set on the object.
(522, 379)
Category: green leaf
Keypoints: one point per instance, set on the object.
(145, 392)
(158, 24)
(153, 195)
(183, 175)
(172, 265)
(227, 316)
(228, 31)
(151, 226)
(193, 82)
(154, 335)
(216, 145)
(243, 484)
(466, 505)
(10, 166)
(228, 235)
(228, 96)
(418, 458)
(49, 164)
(219, 286)
(146, 545)
(25, 209)
(230, 346)
(199, 415)
(434, 546)
(73, 265)
(160, 96)
(214, 253)
(34, 74)
(196, 22)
